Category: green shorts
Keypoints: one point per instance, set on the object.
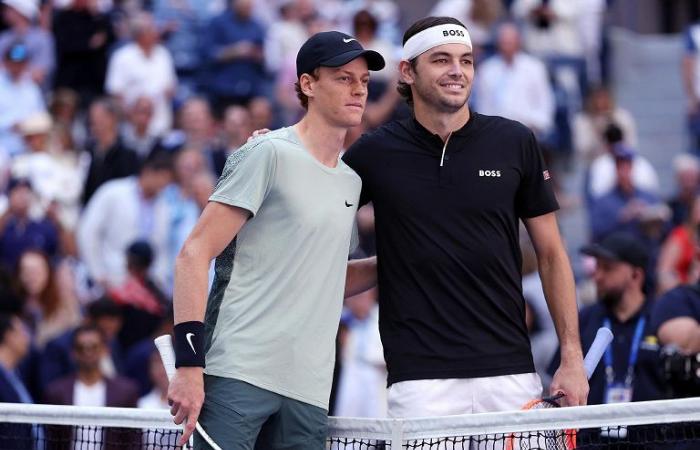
(240, 416)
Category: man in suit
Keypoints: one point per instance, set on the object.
(14, 346)
(89, 386)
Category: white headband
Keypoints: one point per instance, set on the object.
(434, 36)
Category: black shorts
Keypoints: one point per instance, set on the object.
(240, 416)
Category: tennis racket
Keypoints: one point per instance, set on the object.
(164, 344)
(560, 439)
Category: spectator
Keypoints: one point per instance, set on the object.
(106, 231)
(56, 360)
(621, 209)
(83, 38)
(157, 398)
(365, 28)
(196, 129)
(591, 124)
(630, 370)
(136, 132)
(144, 68)
(677, 258)
(676, 319)
(478, 16)
(183, 24)
(515, 85)
(66, 114)
(21, 15)
(90, 386)
(551, 26)
(14, 346)
(137, 359)
(110, 158)
(191, 175)
(261, 114)
(234, 48)
(143, 303)
(49, 310)
(362, 382)
(19, 231)
(601, 178)
(20, 97)
(54, 172)
(285, 36)
(691, 82)
(237, 126)
(687, 174)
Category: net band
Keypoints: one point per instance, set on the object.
(625, 414)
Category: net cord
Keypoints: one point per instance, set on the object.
(638, 413)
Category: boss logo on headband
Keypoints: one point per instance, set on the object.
(453, 33)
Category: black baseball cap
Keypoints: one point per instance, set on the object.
(334, 49)
(620, 246)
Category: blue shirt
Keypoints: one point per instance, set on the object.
(240, 77)
(605, 212)
(18, 236)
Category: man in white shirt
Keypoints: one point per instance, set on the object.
(144, 68)
(121, 212)
(515, 85)
(20, 97)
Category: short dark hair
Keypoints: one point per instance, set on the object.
(303, 99)
(158, 161)
(613, 134)
(87, 328)
(103, 307)
(418, 26)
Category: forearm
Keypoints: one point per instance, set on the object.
(558, 285)
(190, 287)
(361, 275)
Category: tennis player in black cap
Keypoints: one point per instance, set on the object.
(282, 213)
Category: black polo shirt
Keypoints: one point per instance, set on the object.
(451, 303)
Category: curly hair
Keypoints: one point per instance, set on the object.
(423, 24)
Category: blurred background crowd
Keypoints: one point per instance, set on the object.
(117, 116)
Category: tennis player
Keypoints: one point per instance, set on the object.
(280, 224)
(449, 188)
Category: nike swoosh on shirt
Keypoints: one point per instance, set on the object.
(349, 40)
(348, 204)
(188, 336)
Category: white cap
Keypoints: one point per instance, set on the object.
(37, 123)
(28, 8)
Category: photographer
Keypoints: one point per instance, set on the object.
(676, 317)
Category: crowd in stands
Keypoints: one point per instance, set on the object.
(116, 119)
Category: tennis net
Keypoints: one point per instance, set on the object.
(658, 425)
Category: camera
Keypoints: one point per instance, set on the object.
(681, 371)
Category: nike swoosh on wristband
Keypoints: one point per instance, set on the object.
(188, 336)
(349, 40)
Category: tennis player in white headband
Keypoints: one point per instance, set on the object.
(449, 188)
(433, 37)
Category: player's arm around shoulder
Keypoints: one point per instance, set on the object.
(216, 228)
(558, 285)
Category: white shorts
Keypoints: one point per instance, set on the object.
(455, 396)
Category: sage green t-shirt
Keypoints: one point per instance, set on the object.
(274, 307)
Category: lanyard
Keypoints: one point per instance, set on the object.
(634, 351)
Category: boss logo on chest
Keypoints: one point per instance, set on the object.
(490, 173)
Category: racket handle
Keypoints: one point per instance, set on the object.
(164, 344)
(602, 339)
